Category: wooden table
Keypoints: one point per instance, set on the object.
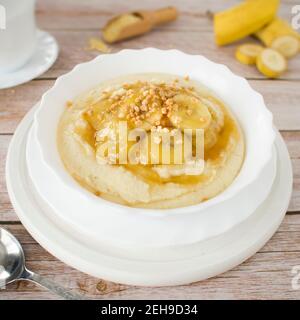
(268, 274)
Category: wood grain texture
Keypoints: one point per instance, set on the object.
(93, 14)
(263, 276)
(268, 273)
(73, 22)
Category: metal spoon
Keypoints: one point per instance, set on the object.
(12, 267)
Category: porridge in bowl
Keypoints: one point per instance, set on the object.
(151, 140)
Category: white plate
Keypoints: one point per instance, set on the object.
(87, 213)
(45, 54)
(237, 245)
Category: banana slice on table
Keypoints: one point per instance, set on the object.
(248, 52)
(271, 63)
(190, 114)
(287, 45)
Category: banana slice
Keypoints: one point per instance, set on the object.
(163, 169)
(217, 122)
(215, 108)
(248, 52)
(95, 114)
(287, 45)
(190, 114)
(148, 121)
(271, 63)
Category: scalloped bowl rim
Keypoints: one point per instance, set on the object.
(228, 193)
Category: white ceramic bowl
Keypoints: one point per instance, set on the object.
(101, 220)
(136, 235)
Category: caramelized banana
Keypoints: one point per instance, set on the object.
(217, 122)
(190, 114)
(96, 114)
(149, 122)
(147, 119)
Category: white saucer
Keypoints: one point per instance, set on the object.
(43, 58)
(239, 243)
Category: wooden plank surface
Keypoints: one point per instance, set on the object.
(73, 22)
(73, 44)
(93, 14)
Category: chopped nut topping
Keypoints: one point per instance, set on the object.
(143, 102)
(164, 110)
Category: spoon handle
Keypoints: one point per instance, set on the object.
(52, 286)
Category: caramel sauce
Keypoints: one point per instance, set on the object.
(87, 133)
(229, 131)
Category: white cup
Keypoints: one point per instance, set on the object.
(17, 33)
